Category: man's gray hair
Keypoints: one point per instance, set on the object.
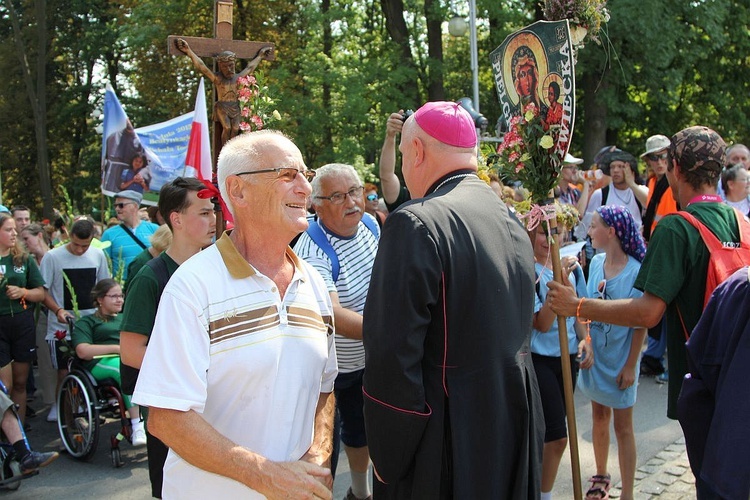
(331, 170)
(242, 154)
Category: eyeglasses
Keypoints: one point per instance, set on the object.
(339, 198)
(655, 157)
(372, 197)
(122, 205)
(119, 296)
(287, 174)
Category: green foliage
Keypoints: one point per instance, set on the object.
(73, 296)
(342, 68)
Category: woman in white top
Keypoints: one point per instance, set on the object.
(736, 183)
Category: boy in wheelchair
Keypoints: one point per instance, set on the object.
(96, 339)
(28, 460)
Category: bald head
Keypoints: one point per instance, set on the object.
(426, 159)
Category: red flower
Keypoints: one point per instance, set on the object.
(61, 334)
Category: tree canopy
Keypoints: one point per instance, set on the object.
(342, 67)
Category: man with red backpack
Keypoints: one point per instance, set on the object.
(673, 276)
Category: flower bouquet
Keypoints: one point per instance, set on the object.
(527, 154)
(256, 106)
(585, 16)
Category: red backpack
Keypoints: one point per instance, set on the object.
(724, 261)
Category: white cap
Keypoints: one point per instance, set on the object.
(656, 143)
(571, 160)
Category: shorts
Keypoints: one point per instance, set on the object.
(17, 337)
(59, 358)
(549, 376)
(350, 405)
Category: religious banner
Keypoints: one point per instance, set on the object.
(141, 159)
(535, 65)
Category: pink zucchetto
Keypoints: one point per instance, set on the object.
(447, 122)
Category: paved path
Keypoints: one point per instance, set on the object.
(663, 471)
(666, 476)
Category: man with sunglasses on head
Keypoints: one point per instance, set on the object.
(131, 236)
(344, 228)
(240, 366)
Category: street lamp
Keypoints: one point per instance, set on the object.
(457, 27)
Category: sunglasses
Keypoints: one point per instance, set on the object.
(372, 197)
(122, 205)
(655, 157)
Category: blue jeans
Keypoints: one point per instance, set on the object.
(657, 348)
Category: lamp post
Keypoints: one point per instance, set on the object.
(457, 27)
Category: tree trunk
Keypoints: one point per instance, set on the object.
(325, 8)
(38, 95)
(435, 90)
(393, 10)
(595, 118)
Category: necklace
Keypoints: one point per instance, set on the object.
(625, 202)
(452, 177)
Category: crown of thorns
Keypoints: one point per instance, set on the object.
(226, 56)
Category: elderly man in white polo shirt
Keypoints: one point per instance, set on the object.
(241, 362)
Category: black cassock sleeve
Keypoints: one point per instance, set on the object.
(404, 290)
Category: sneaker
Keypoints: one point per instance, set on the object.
(35, 459)
(350, 496)
(52, 415)
(139, 437)
(663, 378)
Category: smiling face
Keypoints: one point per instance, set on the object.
(275, 203)
(111, 303)
(342, 219)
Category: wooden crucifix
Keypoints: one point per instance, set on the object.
(225, 51)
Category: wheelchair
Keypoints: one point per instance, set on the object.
(10, 469)
(83, 403)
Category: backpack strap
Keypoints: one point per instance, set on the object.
(709, 238)
(605, 195)
(371, 224)
(159, 267)
(318, 236)
(316, 233)
(135, 238)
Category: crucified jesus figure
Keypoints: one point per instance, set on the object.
(227, 107)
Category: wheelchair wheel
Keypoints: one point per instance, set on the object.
(78, 416)
(9, 470)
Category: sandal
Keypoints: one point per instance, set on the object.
(599, 487)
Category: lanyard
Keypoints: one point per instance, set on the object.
(704, 198)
